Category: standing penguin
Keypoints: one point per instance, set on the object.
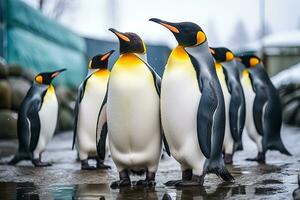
(192, 106)
(264, 115)
(133, 118)
(228, 74)
(91, 94)
(37, 119)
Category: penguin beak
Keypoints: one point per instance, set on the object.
(107, 55)
(120, 35)
(56, 73)
(212, 50)
(166, 24)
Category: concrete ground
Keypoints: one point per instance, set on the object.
(64, 180)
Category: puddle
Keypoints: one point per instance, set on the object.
(28, 190)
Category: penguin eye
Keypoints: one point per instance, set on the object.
(201, 37)
(39, 79)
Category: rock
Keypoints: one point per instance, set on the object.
(15, 70)
(19, 90)
(65, 96)
(5, 94)
(8, 124)
(3, 71)
(28, 74)
(65, 120)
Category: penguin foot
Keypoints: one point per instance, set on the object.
(120, 183)
(146, 183)
(85, 165)
(103, 166)
(186, 176)
(39, 163)
(172, 182)
(228, 158)
(195, 181)
(260, 158)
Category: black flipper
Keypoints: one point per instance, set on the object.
(258, 106)
(28, 112)
(235, 111)
(80, 94)
(272, 125)
(157, 82)
(206, 109)
(35, 125)
(102, 129)
(102, 142)
(210, 118)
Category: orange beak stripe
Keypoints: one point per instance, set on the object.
(105, 56)
(123, 37)
(212, 51)
(54, 74)
(171, 28)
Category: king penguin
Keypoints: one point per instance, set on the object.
(90, 96)
(132, 111)
(228, 74)
(37, 119)
(263, 108)
(192, 106)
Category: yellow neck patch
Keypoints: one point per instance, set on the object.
(179, 53)
(101, 73)
(218, 66)
(51, 89)
(245, 73)
(128, 60)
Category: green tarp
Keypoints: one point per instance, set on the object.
(37, 42)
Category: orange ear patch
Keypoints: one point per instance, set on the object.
(201, 37)
(229, 56)
(170, 27)
(39, 79)
(253, 61)
(123, 37)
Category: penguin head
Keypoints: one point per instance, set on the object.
(221, 54)
(249, 60)
(46, 78)
(129, 42)
(187, 34)
(100, 61)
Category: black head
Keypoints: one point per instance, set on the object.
(129, 42)
(187, 34)
(249, 60)
(47, 77)
(100, 61)
(221, 54)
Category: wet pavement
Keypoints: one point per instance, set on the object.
(64, 180)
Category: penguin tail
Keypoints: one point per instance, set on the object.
(278, 145)
(19, 156)
(218, 167)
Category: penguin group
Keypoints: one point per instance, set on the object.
(196, 111)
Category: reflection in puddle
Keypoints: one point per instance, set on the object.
(28, 190)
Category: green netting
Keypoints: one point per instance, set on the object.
(43, 55)
(37, 42)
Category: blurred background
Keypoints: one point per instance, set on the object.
(44, 35)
